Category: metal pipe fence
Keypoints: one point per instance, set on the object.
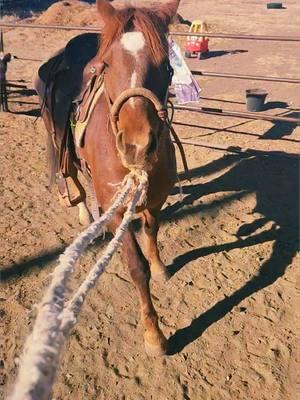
(173, 33)
(50, 27)
(243, 37)
(238, 114)
(249, 77)
(205, 110)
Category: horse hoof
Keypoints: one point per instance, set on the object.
(159, 272)
(85, 220)
(155, 350)
(161, 276)
(155, 343)
(85, 217)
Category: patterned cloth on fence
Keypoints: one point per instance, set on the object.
(186, 87)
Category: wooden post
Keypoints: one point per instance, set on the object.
(4, 60)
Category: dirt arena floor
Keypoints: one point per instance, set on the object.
(231, 308)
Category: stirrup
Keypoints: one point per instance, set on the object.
(64, 192)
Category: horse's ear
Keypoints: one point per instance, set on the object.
(167, 11)
(106, 10)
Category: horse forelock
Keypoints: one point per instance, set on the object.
(133, 19)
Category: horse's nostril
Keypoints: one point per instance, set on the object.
(132, 153)
(152, 145)
(120, 141)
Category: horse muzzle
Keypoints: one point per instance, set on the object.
(136, 156)
(132, 154)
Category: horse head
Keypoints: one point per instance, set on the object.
(134, 50)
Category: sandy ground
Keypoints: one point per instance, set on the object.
(231, 308)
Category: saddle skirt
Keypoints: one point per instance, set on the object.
(69, 84)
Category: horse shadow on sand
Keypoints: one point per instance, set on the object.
(281, 129)
(18, 270)
(274, 181)
(23, 96)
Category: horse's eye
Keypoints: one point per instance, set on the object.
(105, 64)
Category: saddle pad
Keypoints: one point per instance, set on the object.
(86, 108)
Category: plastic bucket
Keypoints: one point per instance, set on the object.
(255, 99)
(274, 6)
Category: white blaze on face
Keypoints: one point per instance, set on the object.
(133, 42)
(133, 80)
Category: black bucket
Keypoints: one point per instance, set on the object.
(275, 6)
(255, 99)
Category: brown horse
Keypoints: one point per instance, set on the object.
(127, 129)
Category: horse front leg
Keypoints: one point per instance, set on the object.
(155, 341)
(150, 230)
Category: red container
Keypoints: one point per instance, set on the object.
(196, 45)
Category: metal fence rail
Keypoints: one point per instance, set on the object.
(249, 77)
(173, 33)
(50, 27)
(243, 37)
(238, 114)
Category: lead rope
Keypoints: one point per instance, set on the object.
(55, 319)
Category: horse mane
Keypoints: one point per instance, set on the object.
(148, 21)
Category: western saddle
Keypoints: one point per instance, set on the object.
(68, 85)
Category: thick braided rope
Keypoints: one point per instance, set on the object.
(72, 310)
(42, 348)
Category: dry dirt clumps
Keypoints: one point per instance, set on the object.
(69, 12)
